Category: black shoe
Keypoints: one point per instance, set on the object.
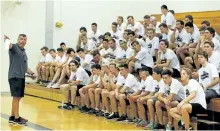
(112, 116)
(11, 119)
(38, 81)
(86, 109)
(92, 111)
(159, 126)
(106, 114)
(66, 106)
(122, 118)
(20, 121)
(100, 113)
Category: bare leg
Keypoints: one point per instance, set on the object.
(91, 92)
(98, 92)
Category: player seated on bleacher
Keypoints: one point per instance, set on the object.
(116, 50)
(130, 86)
(166, 32)
(140, 58)
(179, 37)
(82, 32)
(144, 90)
(158, 83)
(168, 59)
(121, 24)
(189, 18)
(189, 48)
(208, 77)
(193, 104)
(41, 69)
(106, 50)
(95, 93)
(169, 96)
(152, 43)
(85, 60)
(155, 25)
(77, 80)
(94, 82)
(63, 46)
(115, 33)
(126, 52)
(135, 26)
(125, 36)
(167, 18)
(59, 66)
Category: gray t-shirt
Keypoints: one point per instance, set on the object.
(18, 62)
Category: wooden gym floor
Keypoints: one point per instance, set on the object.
(44, 115)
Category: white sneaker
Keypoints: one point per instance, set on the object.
(50, 85)
(55, 85)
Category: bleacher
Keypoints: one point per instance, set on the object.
(209, 120)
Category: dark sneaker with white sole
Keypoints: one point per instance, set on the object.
(20, 121)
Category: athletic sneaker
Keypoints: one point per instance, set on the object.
(159, 126)
(168, 127)
(150, 126)
(20, 121)
(122, 117)
(106, 114)
(55, 85)
(113, 115)
(12, 118)
(142, 123)
(100, 113)
(50, 85)
(92, 111)
(38, 81)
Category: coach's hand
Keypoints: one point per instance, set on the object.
(33, 77)
(5, 37)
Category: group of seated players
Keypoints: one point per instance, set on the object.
(151, 67)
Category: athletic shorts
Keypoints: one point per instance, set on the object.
(197, 109)
(139, 65)
(17, 86)
(77, 91)
(176, 73)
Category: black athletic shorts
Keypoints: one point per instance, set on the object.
(176, 73)
(197, 109)
(88, 72)
(77, 91)
(149, 69)
(17, 86)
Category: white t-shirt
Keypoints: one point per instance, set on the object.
(170, 55)
(63, 59)
(181, 37)
(147, 85)
(169, 20)
(52, 59)
(91, 45)
(119, 80)
(217, 36)
(94, 36)
(167, 36)
(157, 28)
(157, 85)
(138, 26)
(104, 61)
(143, 57)
(216, 45)
(194, 37)
(84, 46)
(206, 74)
(126, 54)
(214, 59)
(82, 76)
(175, 88)
(117, 35)
(46, 58)
(195, 27)
(122, 27)
(117, 52)
(152, 45)
(132, 82)
(193, 85)
(72, 76)
(104, 51)
(88, 59)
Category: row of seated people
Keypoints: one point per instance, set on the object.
(111, 83)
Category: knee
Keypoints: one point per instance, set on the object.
(158, 104)
(90, 90)
(149, 102)
(112, 94)
(98, 91)
(188, 59)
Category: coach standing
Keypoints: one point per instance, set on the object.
(16, 75)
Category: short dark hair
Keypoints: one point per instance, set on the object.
(96, 66)
(190, 17)
(60, 49)
(107, 33)
(211, 30)
(130, 17)
(158, 70)
(172, 11)
(23, 35)
(44, 48)
(164, 7)
(83, 28)
(210, 44)
(180, 21)
(190, 24)
(165, 42)
(95, 52)
(202, 28)
(75, 62)
(206, 22)
(131, 33)
(120, 17)
(123, 66)
(167, 72)
(101, 37)
(135, 42)
(113, 40)
(204, 54)
(146, 17)
(144, 68)
(80, 50)
(69, 50)
(52, 50)
(62, 43)
(115, 24)
(95, 24)
(105, 40)
(163, 25)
